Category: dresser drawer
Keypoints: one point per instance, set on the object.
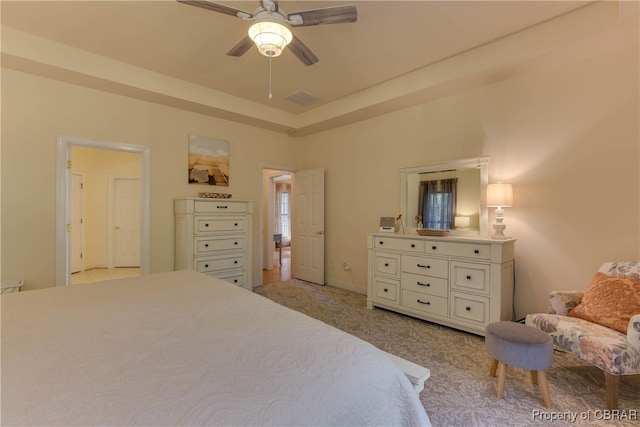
(218, 207)
(205, 224)
(422, 265)
(232, 277)
(425, 303)
(386, 290)
(469, 308)
(425, 284)
(388, 264)
(206, 245)
(465, 250)
(470, 277)
(396, 244)
(205, 265)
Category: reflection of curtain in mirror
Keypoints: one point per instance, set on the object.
(437, 203)
(282, 214)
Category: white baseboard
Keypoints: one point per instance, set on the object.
(346, 286)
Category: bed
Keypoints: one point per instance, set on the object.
(183, 348)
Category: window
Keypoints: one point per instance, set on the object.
(439, 215)
(282, 216)
(438, 203)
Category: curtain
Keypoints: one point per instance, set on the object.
(437, 203)
(450, 190)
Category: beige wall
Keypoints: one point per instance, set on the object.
(564, 131)
(36, 110)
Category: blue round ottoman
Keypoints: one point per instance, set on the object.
(522, 346)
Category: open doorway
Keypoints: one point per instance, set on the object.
(115, 180)
(277, 185)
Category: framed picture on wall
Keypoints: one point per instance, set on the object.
(208, 161)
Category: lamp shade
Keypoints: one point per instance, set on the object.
(461, 221)
(270, 37)
(499, 195)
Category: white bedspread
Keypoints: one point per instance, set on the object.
(183, 348)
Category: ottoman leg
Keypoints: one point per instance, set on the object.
(544, 386)
(502, 371)
(534, 377)
(494, 366)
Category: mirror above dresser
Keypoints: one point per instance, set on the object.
(469, 178)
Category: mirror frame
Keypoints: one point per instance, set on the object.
(481, 163)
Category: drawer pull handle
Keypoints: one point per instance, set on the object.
(381, 243)
(206, 245)
(235, 280)
(221, 207)
(423, 266)
(235, 243)
(235, 262)
(413, 245)
(468, 308)
(206, 266)
(434, 247)
(206, 224)
(386, 290)
(424, 302)
(468, 277)
(236, 224)
(428, 285)
(476, 251)
(386, 264)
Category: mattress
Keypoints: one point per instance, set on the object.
(183, 348)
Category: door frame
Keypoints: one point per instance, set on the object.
(63, 199)
(261, 213)
(111, 236)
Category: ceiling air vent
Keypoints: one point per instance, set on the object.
(302, 97)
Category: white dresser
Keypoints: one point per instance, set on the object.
(213, 236)
(461, 282)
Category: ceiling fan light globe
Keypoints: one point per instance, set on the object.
(270, 37)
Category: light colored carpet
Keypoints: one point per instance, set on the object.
(460, 391)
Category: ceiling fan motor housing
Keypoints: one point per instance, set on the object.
(269, 35)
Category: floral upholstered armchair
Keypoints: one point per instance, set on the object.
(600, 325)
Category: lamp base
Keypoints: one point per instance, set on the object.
(499, 228)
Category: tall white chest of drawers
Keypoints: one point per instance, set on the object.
(461, 282)
(213, 236)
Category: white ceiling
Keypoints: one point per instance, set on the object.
(389, 40)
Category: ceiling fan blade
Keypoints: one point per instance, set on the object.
(242, 47)
(302, 52)
(327, 15)
(217, 7)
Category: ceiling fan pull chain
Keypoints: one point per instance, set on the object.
(270, 96)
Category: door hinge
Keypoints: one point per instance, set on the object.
(68, 227)
(82, 186)
(68, 164)
(81, 255)
(81, 221)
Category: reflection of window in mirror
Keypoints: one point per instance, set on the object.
(458, 209)
(454, 194)
(437, 203)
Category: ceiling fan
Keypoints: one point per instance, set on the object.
(270, 31)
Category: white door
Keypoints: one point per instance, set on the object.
(77, 220)
(307, 239)
(126, 222)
